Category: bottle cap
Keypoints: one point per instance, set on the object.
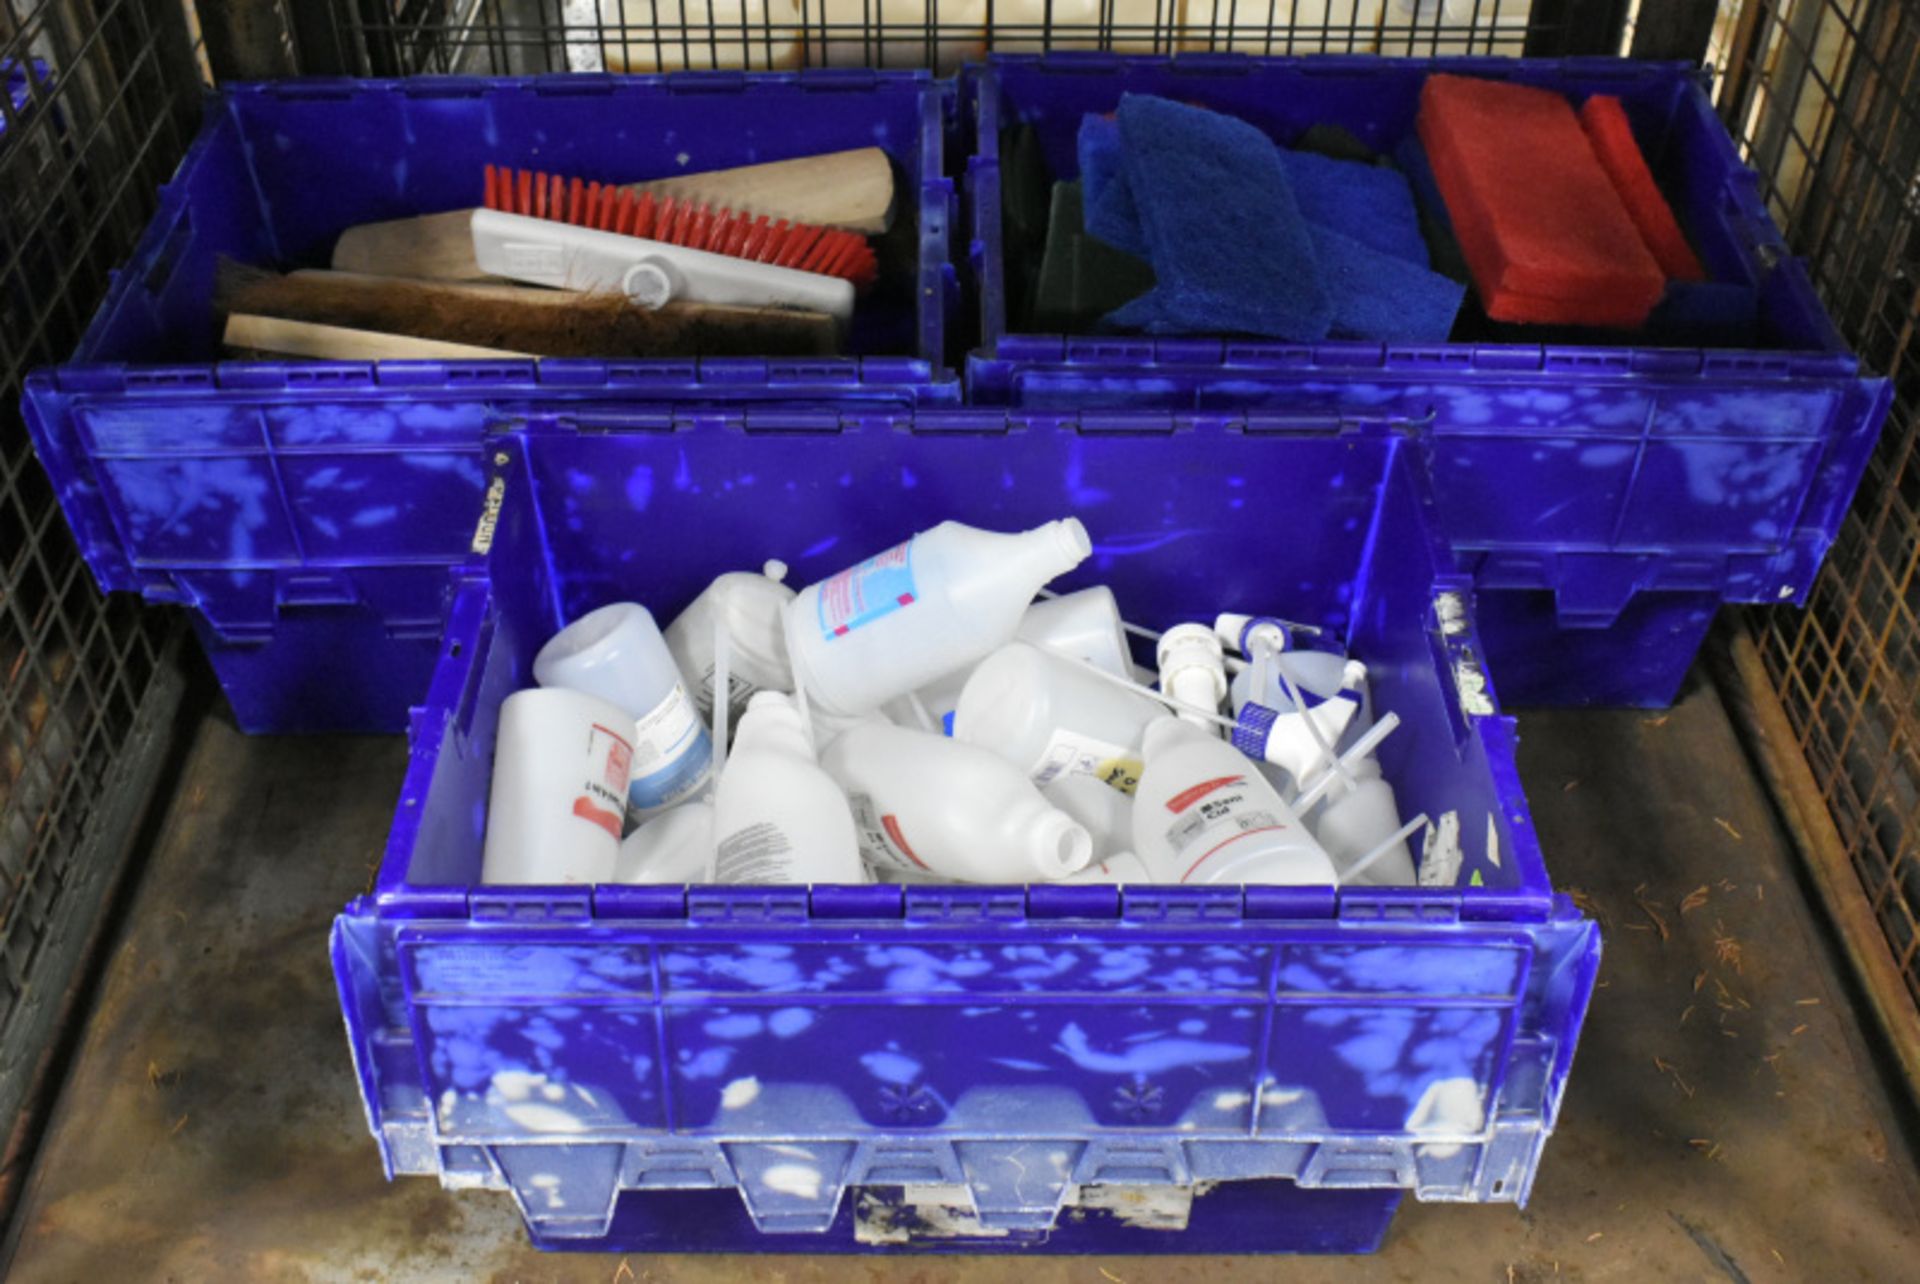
(1192, 649)
(1239, 631)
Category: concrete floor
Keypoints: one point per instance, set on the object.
(1724, 1121)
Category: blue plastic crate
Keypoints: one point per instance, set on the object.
(18, 84)
(1059, 1068)
(307, 511)
(1606, 498)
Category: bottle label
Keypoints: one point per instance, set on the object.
(1068, 753)
(881, 840)
(1212, 814)
(757, 854)
(671, 753)
(870, 591)
(603, 786)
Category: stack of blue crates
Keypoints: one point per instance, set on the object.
(307, 512)
(945, 1068)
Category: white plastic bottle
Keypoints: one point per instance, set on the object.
(675, 846)
(617, 653)
(1049, 717)
(1193, 670)
(920, 610)
(1106, 813)
(777, 817)
(1203, 814)
(1356, 819)
(561, 760)
(929, 803)
(751, 607)
(1085, 625)
(1120, 867)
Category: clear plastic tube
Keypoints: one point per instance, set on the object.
(1360, 748)
(1178, 706)
(1320, 740)
(1387, 844)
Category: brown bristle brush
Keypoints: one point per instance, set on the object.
(520, 319)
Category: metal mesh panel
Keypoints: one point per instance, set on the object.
(95, 114)
(389, 37)
(1826, 96)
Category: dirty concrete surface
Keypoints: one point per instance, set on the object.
(1724, 1121)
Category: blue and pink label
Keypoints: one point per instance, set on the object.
(870, 591)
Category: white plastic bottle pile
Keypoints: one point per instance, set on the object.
(933, 714)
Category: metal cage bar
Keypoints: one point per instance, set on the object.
(98, 100)
(399, 37)
(1826, 96)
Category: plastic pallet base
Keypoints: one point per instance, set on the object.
(1274, 1217)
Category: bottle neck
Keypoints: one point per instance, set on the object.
(1053, 843)
(1020, 565)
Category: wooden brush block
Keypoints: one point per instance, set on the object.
(249, 333)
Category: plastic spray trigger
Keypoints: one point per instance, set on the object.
(1287, 737)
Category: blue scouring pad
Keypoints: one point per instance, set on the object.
(1110, 214)
(1369, 203)
(1229, 248)
(1383, 296)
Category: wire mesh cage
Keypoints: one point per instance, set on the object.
(1824, 92)
(388, 37)
(1821, 94)
(100, 99)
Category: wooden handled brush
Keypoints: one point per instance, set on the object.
(506, 319)
(852, 190)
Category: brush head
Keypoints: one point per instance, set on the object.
(608, 207)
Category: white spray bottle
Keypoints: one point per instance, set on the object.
(1283, 722)
(1193, 670)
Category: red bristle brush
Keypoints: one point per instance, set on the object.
(580, 235)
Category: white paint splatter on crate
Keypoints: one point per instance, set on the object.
(740, 1093)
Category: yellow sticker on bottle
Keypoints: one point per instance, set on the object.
(1069, 753)
(1122, 773)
